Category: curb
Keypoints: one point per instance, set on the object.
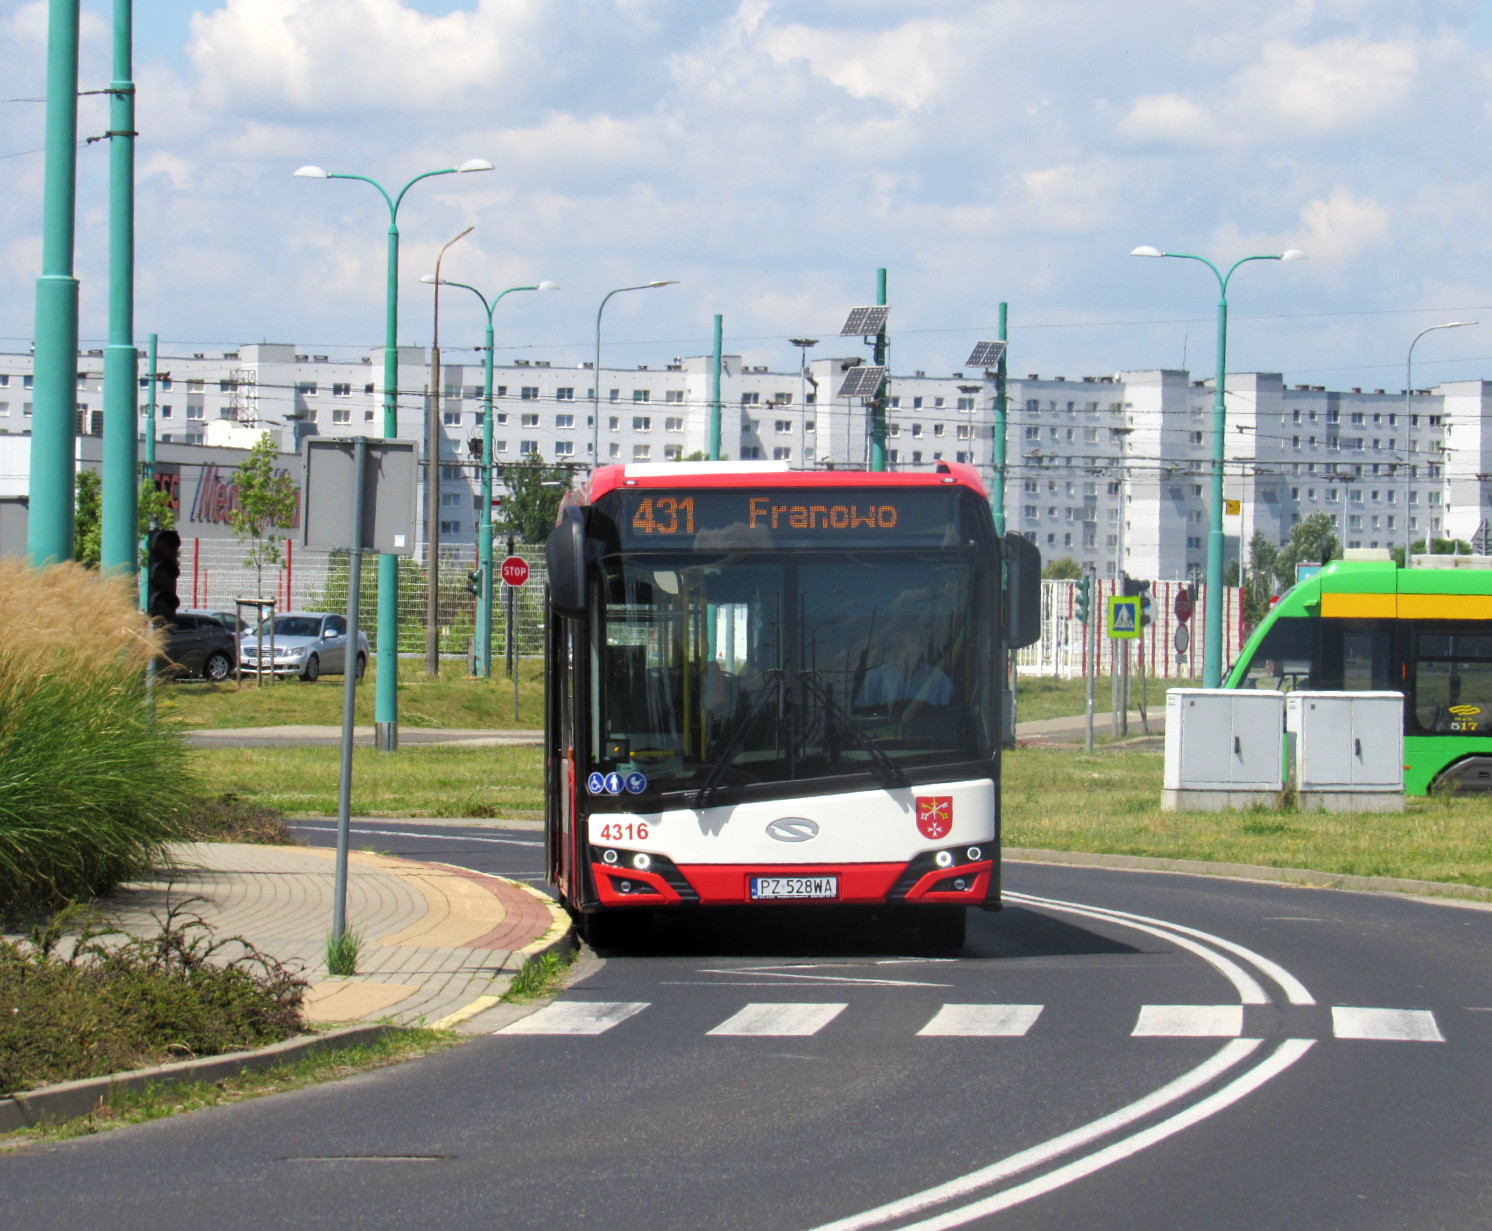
(70, 1099)
(1304, 877)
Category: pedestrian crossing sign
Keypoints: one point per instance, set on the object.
(1124, 615)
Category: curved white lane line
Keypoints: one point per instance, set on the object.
(1198, 1077)
(1249, 991)
(1295, 991)
(404, 833)
(1284, 1056)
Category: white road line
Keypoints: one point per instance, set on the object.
(1189, 1021)
(404, 833)
(1389, 1025)
(1284, 1056)
(1249, 991)
(1295, 991)
(779, 1019)
(982, 1021)
(852, 979)
(575, 1017)
(1231, 1054)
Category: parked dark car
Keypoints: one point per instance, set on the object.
(197, 644)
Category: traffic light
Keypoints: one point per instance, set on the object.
(1085, 587)
(1141, 590)
(162, 569)
(474, 583)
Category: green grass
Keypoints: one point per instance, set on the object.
(157, 1102)
(418, 780)
(451, 699)
(1040, 697)
(1054, 798)
(342, 954)
(539, 976)
(1109, 803)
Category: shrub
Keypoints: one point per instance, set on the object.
(118, 1002)
(91, 785)
(231, 819)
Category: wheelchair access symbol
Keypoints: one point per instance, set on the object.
(1124, 616)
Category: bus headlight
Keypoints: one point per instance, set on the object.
(641, 861)
(974, 854)
(944, 859)
(608, 856)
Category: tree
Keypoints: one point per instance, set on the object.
(88, 515)
(266, 501)
(1065, 569)
(1259, 584)
(533, 498)
(1311, 542)
(1438, 547)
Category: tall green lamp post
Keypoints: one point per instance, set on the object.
(49, 532)
(386, 694)
(484, 533)
(1212, 661)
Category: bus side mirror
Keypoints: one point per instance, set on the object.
(1022, 592)
(564, 554)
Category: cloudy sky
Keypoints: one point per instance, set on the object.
(771, 155)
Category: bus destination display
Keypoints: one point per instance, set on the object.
(820, 517)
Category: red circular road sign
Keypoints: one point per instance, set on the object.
(515, 570)
(1184, 605)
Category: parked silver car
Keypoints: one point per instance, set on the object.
(305, 643)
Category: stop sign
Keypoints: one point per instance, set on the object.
(1183, 606)
(515, 570)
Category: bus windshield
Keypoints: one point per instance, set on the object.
(724, 672)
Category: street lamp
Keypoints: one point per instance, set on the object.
(1408, 468)
(484, 533)
(596, 371)
(1212, 662)
(386, 694)
(804, 345)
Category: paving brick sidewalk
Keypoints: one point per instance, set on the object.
(438, 943)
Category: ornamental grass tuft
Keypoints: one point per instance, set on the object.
(91, 785)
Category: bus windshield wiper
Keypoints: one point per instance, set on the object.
(866, 743)
(706, 792)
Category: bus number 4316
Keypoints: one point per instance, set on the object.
(631, 831)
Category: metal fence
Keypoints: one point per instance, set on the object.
(1060, 652)
(215, 572)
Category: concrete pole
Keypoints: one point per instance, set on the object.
(49, 536)
(120, 515)
(878, 403)
(997, 497)
(715, 390)
(386, 686)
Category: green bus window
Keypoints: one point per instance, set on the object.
(1453, 683)
(1287, 658)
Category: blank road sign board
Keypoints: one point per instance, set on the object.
(391, 479)
(864, 321)
(1124, 616)
(862, 382)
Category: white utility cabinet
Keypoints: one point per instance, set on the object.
(1225, 748)
(1346, 750)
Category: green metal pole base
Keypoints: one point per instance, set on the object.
(49, 537)
(120, 532)
(386, 692)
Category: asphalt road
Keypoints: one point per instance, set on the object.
(774, 1076)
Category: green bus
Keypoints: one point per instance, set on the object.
(1367, 625)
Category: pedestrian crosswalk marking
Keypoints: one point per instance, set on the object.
(1193, 1021)
(779, 1019)
(768, 1019)
(982, 1020)
(1388, 1025)
(576, 1017)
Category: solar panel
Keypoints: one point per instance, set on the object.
(985, 355)
(864, 321)
(862, 382)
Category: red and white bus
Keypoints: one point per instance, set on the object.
(775, 686)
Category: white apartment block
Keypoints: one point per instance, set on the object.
(1113, 471)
